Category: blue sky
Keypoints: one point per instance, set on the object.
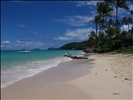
(44, 24)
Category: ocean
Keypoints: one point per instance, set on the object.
(15, 66)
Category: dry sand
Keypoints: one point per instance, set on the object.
(111, 77)
(103, 76)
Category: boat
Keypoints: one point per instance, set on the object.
(24, 51)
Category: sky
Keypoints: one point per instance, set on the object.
(45, 24)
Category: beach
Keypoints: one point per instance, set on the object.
(102, 76)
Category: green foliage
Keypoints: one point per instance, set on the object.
(111, 40)
(92, 39)
(102, 43)
(126, 50)
(110, 37)
(107, 36)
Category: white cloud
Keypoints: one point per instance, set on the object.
(18, 41)
(131, 7)
(32, 44)
(87, 3)
(6, 42)
(22, 25)
(19, 44)
(126, 27)
(79, 34)
(63, 38)
(122, 11)
(76, 20)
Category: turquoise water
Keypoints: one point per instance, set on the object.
(16, 66)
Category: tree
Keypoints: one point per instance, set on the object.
(100, 11)
(129, 21)
(102, 43)
(96, 20)
(110, 37)
(118, 4)
(131, 11)
(92, 38)
(108, 11)
(124, 21)
(111, 22)
(104, 10)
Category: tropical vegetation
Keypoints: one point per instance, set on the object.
(108, 35)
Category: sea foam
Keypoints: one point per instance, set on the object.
(16, 73)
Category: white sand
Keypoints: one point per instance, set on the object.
(103, 83)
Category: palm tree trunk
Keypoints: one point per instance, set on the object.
(116, 15)
(131, 36)
(96, 29)
(96, 36)
(106, 17)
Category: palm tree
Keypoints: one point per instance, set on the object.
(121, 4)
(104, 10)
(111, 22)
(92, 38)
(124, 21)
(96, 20)
(118, 4)
(129, 21)
(100, 9)
(132, 35)
(131, 11)
(108, 11)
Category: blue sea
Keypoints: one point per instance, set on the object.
(15, 66)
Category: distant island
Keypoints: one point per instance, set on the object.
(53, 48)
(72, 46)
(75, 46)
(37, 49)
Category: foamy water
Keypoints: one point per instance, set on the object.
(14, 72)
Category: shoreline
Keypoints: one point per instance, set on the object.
(46, 64)
(50, 84)
(17, 67)
(77, 79)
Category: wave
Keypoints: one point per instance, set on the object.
(18, 72)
